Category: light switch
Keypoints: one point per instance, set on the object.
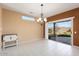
(75, 32)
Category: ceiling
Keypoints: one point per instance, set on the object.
(34, 9)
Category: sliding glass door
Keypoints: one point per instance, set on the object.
(60, 31)
(63, 31)
(51, 31)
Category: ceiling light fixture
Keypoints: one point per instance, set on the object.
(42, 19)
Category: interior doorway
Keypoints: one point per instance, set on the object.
(61, 31)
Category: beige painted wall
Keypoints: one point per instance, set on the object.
(27, 31)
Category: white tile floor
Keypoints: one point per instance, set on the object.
(41, 48)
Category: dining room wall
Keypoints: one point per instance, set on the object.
(71, 13)
(27, 31)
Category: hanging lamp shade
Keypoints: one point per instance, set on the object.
(42, 18)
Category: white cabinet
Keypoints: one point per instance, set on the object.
(9, 40)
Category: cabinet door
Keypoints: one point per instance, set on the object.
(13, 37)
(6, 38)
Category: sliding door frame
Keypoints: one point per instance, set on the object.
(60, 20)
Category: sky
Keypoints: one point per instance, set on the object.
(61, 24)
